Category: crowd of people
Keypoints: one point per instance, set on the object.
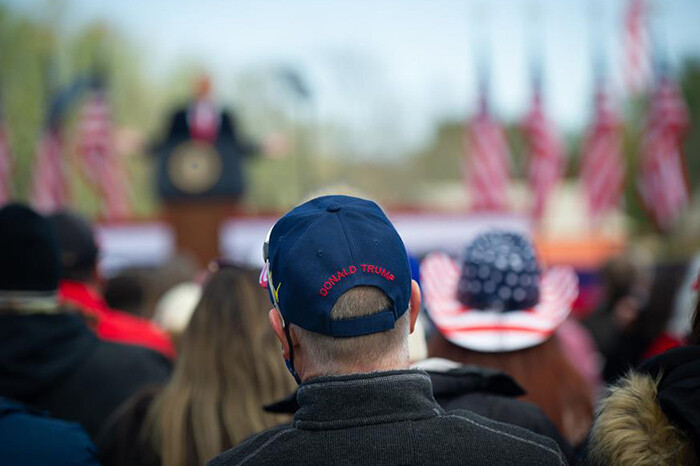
(340, 352)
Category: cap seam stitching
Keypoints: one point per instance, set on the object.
(347, 238)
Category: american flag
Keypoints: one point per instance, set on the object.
(602, 165)
(101, 164)
(546, 162)
(5, 167)
(662, 183)
(49, 190)
(487, 167)
(637, 65)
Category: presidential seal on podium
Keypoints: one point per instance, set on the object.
(194, 167)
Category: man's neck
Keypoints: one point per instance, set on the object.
(356, 369)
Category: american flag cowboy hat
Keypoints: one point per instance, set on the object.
(499, 299)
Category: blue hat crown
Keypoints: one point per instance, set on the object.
(325, 247)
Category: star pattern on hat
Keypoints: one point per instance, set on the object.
(499, 271)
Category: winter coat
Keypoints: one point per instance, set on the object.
(30, 438)
(491, 394)
(652, 416)
(54, 362)
(122, 441)
(388, 418)
(486, 392)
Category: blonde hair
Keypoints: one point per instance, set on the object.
(327, 354)
(228, 368)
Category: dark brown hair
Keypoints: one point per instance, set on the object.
(544, 372)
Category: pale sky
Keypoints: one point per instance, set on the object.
(412, 61)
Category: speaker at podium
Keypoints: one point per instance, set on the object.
(200, 174)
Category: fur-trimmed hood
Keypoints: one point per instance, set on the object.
(650, 416)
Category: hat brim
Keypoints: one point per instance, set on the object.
(490, 330)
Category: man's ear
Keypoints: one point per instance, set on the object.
(415, 303)
(278, 328)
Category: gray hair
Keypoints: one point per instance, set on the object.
(327, 355)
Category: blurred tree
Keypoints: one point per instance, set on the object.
(23, 48)
(690, 85)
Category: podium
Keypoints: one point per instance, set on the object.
(196, 225)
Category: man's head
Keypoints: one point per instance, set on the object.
(339, 278)
(29, 265)
(202, 86)
(78, 248)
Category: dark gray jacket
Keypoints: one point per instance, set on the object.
(491, 394)
(387, 418)
(55, 363)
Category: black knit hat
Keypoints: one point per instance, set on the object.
(28, 251)
(77, 245)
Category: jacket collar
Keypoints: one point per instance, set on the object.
(337, 402)
(29, 302)
(677, 376)
(453, 379)
(8, 406)
(81, 295)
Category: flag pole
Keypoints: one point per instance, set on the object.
(599, 70)
(484, 144)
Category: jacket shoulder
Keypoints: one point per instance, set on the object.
(30, 439)
(512, 437)
(118, 371)
(247, 451)
(499, 408)
(511, 411)
(132, 359)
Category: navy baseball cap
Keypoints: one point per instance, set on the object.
(323, 248)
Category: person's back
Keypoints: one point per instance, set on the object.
(486, 392)
(492, 394)
(28, 437)
(345, 304)
(55, 363)
(388, 418)
(49, 358)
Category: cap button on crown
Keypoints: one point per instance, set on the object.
(333, 207)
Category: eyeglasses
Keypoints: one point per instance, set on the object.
(266, 275)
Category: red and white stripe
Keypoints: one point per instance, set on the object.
(49, 191)
(494, 330)
(102, 166)
(637, 56)
(6, 168)
(662, 182)
(487, 166)
(546, 162)
(602, 164)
